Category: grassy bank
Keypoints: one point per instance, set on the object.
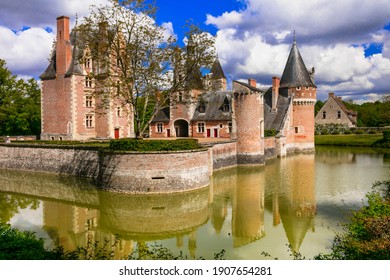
(351, 140)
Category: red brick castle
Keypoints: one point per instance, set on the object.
(70, 109)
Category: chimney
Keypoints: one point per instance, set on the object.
(331, 94)
(275, 92)
(63, 47)
(252, 82)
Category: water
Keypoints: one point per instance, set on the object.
(297, 201)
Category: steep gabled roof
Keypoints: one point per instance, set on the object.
(216, 70)
(295, 73)
(350, 114)
(275, 119)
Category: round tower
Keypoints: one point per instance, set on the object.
(249, 120)
(297, 83)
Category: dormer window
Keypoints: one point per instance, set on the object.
(202, 108)
(298, 88)
(225, 106)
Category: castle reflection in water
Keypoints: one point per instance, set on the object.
(75, 213)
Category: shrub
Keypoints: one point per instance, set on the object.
(154, 145)
(359, 131)
(335, 132)
(366, 236)
(348, 132)
(386, 135)
(269, 132)
(324, 132)
(372, 132)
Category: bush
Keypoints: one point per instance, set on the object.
(372, 132)
(335, 133)
(348, 132)
(17, 245)
(386, 135)
(269, 132)
(367, 234)
(324, 132)
(359, 131)
(154, 145)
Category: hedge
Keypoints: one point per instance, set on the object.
(139, 145)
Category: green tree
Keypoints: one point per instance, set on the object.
(20, 109)
(133, 55)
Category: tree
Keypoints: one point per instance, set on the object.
(20, 109)
(133, 55)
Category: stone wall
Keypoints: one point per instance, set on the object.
(158, 172)
(224, 155)
(129, 172)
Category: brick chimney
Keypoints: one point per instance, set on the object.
(63, 47)
(275, 92)
(252, 82)
(331, 94)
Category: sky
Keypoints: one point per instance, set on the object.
(347, 41)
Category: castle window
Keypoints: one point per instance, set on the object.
(118, 112)
(88, 82)
(180, 96)
(220, 125)
(306, 88)
(88, 101)
(324, 114)
(201, 127)
(88, 64)
(230, 127)
(160, 127)
(89, 121)
(339, 114)
(298, 88)
(225, 107)
(297, 129)
(202, 108)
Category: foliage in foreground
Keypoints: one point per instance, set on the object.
(367, 235)
(24, 245)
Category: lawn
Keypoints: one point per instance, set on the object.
(355, 140)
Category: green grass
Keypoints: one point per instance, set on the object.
(352, 140)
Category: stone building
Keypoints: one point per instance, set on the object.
(70, 108)
(335, 112)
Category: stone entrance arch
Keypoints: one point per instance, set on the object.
(181, 128)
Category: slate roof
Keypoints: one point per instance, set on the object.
(214, 104)
(162, 116)
(275, 120)
(295, 73)
(74, 67)
(217, 71)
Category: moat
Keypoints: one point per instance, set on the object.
(298, 201)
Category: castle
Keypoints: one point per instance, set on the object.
(70, 109)
(244, 113)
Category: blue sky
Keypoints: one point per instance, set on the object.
(347, 41)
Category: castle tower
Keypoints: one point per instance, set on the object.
(216, 80)
(297, 83)
(69, 102)
(249, 121)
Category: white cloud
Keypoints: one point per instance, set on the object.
(331, 36)
(26, 52)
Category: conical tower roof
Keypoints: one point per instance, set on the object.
(295, 73)
(217, 71)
